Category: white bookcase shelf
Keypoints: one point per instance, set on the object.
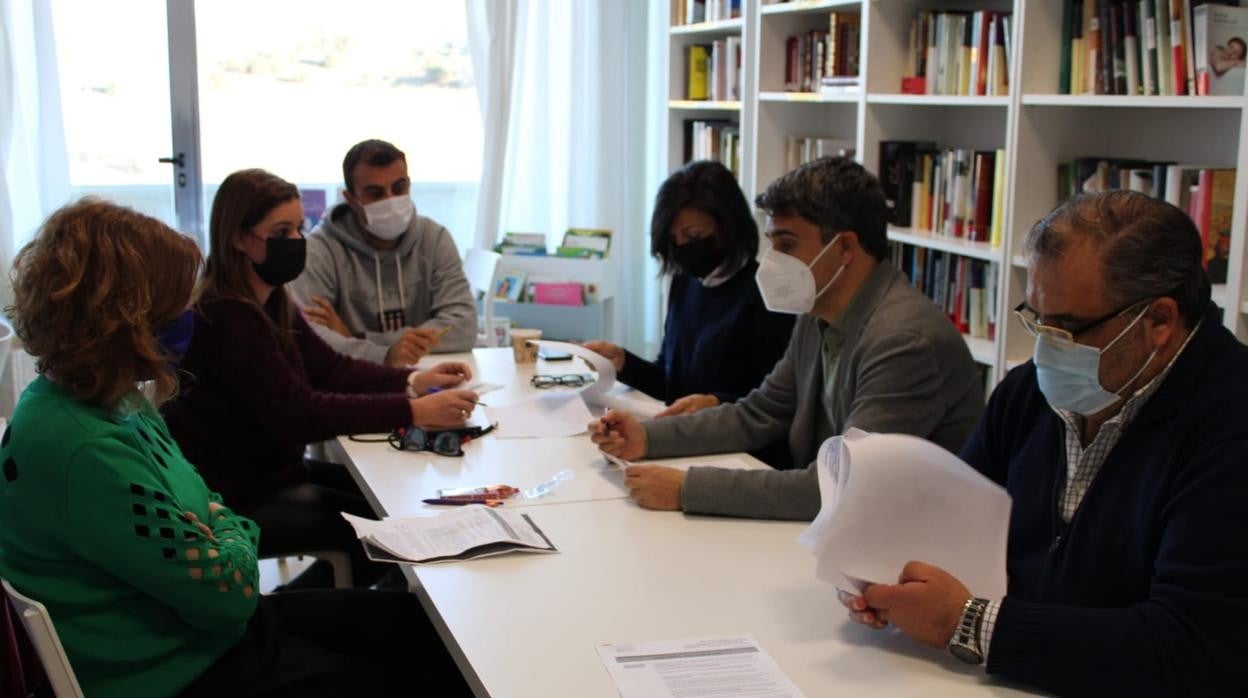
(936, 100)
(703, 105)
(958, 246)
(808, 98)
(722, 27)
(1128, 102)
(1038, 128)
(801, 8)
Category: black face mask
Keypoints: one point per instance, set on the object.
(698, 258)
(283, 260)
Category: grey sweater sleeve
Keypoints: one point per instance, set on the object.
(451, 304)
(750, 423)
(754, 494)
(898, 390)
(351, 346)
(320, 278)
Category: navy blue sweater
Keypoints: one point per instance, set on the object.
(721, 341)
(1145, 592)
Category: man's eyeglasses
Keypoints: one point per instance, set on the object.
(443, 443)
(1066, 337)
(573, 380)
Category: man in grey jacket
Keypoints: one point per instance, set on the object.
(382, 282)
(869, 351)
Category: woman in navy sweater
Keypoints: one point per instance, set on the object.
(719, 342)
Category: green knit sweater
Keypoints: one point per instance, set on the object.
(93, 523)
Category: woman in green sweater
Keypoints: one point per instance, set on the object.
(150, 579)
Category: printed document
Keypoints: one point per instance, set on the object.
(892, 498)
(704, 667)
(468, 532)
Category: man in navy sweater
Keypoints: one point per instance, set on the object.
(1122, 447)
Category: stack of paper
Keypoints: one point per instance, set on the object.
(467, 533)
(890, 498)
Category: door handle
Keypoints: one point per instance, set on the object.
(180, 160)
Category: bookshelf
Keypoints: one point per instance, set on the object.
(1036, 126)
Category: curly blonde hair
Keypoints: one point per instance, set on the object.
(89, 291)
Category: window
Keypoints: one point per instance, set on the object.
(283, 84)
(114, 80)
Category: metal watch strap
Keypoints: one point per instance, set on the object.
(964, 643)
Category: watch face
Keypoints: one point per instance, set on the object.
(966, 654)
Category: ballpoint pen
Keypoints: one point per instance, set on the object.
(448, 501)
(432, 391)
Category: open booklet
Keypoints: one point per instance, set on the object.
(466, 533)
(891, 498)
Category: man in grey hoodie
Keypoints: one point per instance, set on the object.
(382, 282)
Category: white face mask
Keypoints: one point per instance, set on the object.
(1070, 376)
(389, 218)
(787, 284)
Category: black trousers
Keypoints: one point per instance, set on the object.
(335, 642)
(306, 518)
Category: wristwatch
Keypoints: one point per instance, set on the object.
(964, 644)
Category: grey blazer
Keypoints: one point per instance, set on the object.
(901, 368)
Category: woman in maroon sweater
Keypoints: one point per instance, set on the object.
(260, 385)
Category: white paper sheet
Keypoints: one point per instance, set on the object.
(449, 534)
(481, 387)
(706, 667)
(891, 498)
(556, 414)
(600, 364)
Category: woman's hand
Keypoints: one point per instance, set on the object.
(443, 410)
(609, 351)
(445, 375)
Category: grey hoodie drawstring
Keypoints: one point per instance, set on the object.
(381, 314)
(402, 300)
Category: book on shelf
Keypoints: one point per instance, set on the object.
(530, 244)
(964, 288)
(715, 70)
(586, 243)
(1220, 49)
(953, 193)
(817, 54)
(1206, 193)
(698, 11)
(832, 85)
(718, 140)
(510, 286)
(697, 87)
(801, 150)
(958, 53)
(1148, 47)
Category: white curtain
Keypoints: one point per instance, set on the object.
(562, 88)
(34, 166)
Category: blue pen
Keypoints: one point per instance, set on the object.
(433, 391)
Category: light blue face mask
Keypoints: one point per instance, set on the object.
(1070, 375)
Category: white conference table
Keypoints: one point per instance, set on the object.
(527, 625)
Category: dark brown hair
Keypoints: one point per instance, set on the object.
(242, 201)
(372, 152)
(88, 293)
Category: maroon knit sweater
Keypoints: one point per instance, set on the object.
(250, 406)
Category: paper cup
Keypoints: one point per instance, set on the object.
(522, 347)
